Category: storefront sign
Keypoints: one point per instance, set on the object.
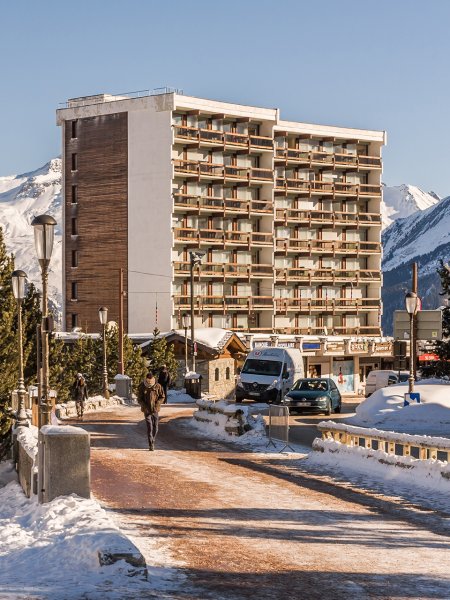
(358, 347)
(382, 347)
(311, 345)
(335, 347)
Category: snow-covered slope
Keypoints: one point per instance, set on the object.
(22, 197)
(401, 201)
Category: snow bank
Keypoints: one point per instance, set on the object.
(67, 410)
(179, 397)
(223, 420)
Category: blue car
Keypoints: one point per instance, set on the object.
(316, 394)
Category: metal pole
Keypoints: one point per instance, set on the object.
(192, 315)
(411, 363)
(186, 369)
(120, 363)
(21, 417)
(414, 289)
(45, 404)
(39, 369)
(105, 366)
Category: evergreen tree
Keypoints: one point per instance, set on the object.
(31, 318)
(441, 367)
(161, 353)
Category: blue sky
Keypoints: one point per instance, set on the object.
(378, 65)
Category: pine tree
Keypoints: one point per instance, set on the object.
(441, 367)
(161, 353)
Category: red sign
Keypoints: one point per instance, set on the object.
(426, 357)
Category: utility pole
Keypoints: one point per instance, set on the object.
(120, 363)
(414, 286)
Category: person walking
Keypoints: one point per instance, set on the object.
(80, 393)
(150, 397)
(164, 381)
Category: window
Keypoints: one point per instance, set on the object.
(74, 258)
(216, 374)
(227, 373)
(74, 226)
(74, 194)
(74, 161)
(74, 290)
(74, 320)
(74, 129)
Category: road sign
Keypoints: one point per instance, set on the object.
(429, 325)
(411, 398)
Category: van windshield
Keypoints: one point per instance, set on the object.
(254, 366)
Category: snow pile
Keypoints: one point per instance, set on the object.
(401, 201)
(179, 397)
(384, 409)
(27, 437)
(66, 410)
(62, 549)
(223, 420)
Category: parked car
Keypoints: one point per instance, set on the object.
(318, 394)
(378, 379)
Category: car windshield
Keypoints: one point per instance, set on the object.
(254, 366)
(311, 385)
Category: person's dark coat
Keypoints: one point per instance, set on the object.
(79, 390)
(150, 397)
(164, 379)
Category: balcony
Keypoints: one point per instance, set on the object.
(329, 247)
(334, 160)
(294, 274)
(283, 305)
(209, 170)
(321, 217)
(330, 189)
(369, 330)
(217, 137)
(220, 237)
(212, 204)
(224, 303)
(226, 271)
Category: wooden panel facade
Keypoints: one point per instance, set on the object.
(96, 218)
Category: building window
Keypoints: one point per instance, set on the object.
(74, 258)
(74, 320)
(74, 226)
(74, 290)
(216, 374)
(74, 161)
(74, 194)
(227, 373)
(74, 129)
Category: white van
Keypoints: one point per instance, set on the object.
(380, 379)
(269, 373)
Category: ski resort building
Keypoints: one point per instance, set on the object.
(286, 215)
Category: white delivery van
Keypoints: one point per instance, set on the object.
(269, 373)
(379, 379)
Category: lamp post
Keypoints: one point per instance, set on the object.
(196, 259)
(103, 315)
(18, 286)
(411, 309)
(186, 322)
(44, 231)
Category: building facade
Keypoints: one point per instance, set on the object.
(286, 215)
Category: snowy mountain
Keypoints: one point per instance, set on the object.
(401, 201)
(22, 197)
(423, 237)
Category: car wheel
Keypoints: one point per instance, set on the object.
(338, 408)
(328, 408)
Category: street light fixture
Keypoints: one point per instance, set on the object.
(411, 304)
(196, 259)
(103, 316)
(18, 286)
(186, 323)
(44, 233)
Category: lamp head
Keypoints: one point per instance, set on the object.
(186, 320)
(44, 231)
(196, 257)
(411, 303)
(103, 315)
(18, 284)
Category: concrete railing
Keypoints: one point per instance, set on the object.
(229, 418)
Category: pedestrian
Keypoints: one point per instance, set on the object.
(79, 393)
(164, 381)
(150, 397)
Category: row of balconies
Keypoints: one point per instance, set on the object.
(283, 305)
(332, 159)
(326, 188)
(322, 217)
(224, 302)
(219, 237)
(327, 247)
(209, 170)
(321, 330)
(222, 205)
(214, 137)
(228, 270)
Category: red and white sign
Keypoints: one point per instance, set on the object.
(427, 357)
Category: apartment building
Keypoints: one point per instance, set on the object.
(286, 215)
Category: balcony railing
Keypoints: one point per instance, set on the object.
(325, 216)
(326, 304)
(213, 171)
(228, 270)
(224, 303)
(327, 188)
(327, 246)
(320, 330)
(287, 274)
(226, 138)
(222, 237)
(332, 159)
(220, 204)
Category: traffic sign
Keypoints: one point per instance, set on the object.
(411, 398)
(428, 322)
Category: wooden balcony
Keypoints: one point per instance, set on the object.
(209, 170)
(330, 189)
(220, 237)
(208, 204)
(223, 138)
(334, 160)
(328, 247)
(283, 305)
(226, 271)
(324, 217)
(368, 330)
(293, 274)
(225, 303)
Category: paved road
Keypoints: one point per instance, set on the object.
(303, 428)
(216, 523)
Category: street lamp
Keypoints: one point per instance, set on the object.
(186, 323)
(103, 315)
(196, 259)
(18, 286)
(44, 233)
(411, 305)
